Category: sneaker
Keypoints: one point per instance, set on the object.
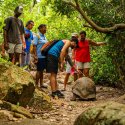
(54, 95)
(43, 86)
(59, 94)
(63, 90)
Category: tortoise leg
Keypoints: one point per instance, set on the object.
(73, 98)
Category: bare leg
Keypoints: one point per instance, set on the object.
(11, 57)
(17, 58)
(41, 78)
(23, 60)
(37, 77)
(81, 75)
(54, 86)
(53, 82)
(75, 77)
(86, 72)
(66, 80)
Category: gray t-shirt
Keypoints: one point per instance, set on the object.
(14, 28)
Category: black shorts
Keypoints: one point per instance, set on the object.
(52, 64)
(41, 64)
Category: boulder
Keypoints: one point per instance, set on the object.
(16, 111)
(16, 85)
(29, 122)
(84, 88)
(40, 100)
(5, 116)
(109, 113)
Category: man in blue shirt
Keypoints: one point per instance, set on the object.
(39, 41)
(28, 39)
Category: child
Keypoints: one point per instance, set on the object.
(69, 69)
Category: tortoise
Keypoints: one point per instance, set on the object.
(84, 89)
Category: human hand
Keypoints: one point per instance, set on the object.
(35, 59)
(79, 72)
(27, 35)
(24, 45)
(61, 67)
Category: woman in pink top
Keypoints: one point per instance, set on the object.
(82, 54)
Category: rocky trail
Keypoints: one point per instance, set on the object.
(64, 111)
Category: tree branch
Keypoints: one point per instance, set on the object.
(77, 3)
(70, 3)
(95, 26)
(34, 2)
(88, 26)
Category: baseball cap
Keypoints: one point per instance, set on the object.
(74, 34)
(18, 9)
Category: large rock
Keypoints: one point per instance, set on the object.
(15, 110)
(110, 113)
(29, 122)
(84, 88)
(5, 116)
(40, 101)
(16, 85)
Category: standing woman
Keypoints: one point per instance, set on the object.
(82, 54)
(56, 54)
(39, 41)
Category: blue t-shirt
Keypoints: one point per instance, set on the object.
(56, 49)
(39, 42)
(28, 39)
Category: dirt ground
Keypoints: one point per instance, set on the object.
(65, 111)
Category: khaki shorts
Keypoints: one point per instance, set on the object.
(68, 68)
(81, 65)
(15, 48)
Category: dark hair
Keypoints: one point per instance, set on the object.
(30, 21)
(41, 26)
(83, 32)
(75, 40)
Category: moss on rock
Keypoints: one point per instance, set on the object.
(110, 113)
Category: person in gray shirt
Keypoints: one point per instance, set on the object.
(14, 41)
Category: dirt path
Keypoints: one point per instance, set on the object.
(65, 111)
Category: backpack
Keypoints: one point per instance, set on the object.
(47, 46)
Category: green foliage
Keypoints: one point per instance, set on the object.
(2, 60)
(58, 26)
(62, 20)
(102, 68)
(61, 8)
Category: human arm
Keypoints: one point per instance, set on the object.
(64, 52)
(93, 43)
(35, 42)
(3, 50)
(73, 54)
(6, 45)
(23, 41)
(22, 35)
(6, 28)
(69, 60)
